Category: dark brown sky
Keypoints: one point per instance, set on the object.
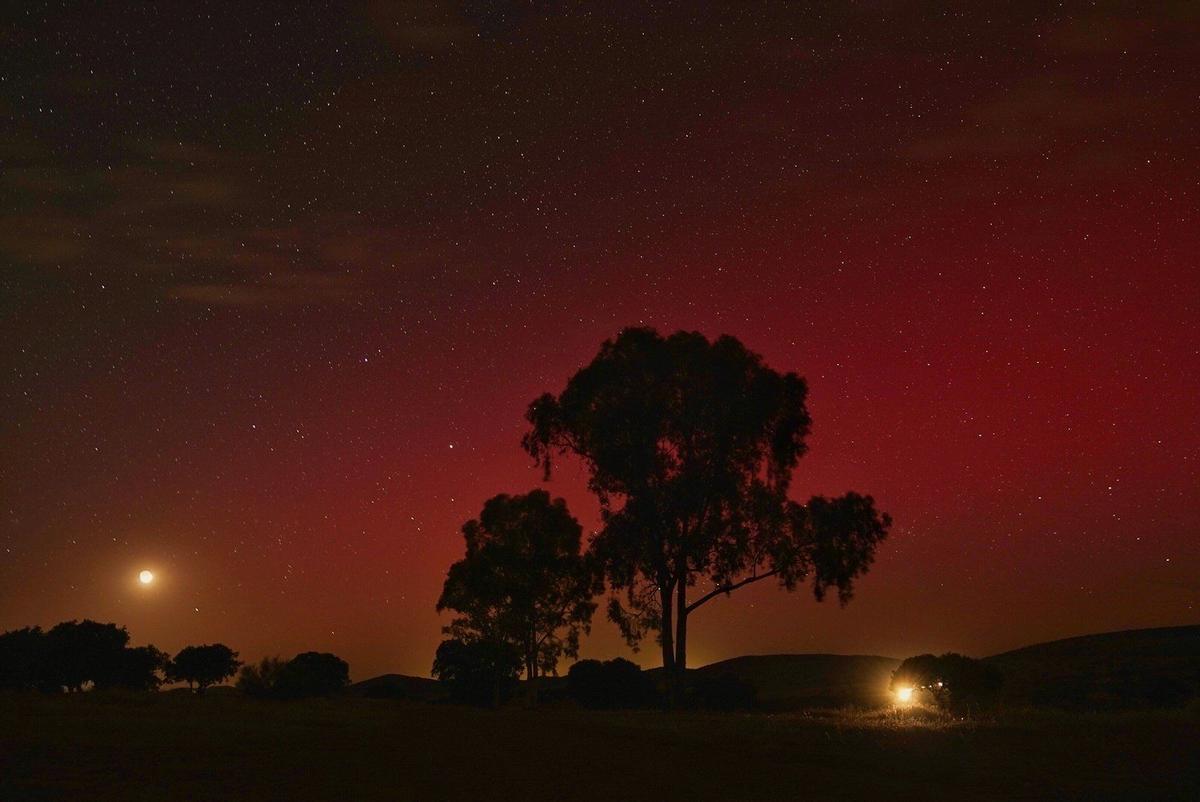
(277, 287)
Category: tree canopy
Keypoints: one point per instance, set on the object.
(690, 447)
(312, 674)
(523, 582)
(79, 652)
(75, 654)
(201, 666)
(23, 659)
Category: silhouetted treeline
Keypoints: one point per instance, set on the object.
(75, 655)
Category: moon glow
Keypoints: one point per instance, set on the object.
(146, 577)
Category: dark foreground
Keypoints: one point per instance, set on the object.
(226, 748)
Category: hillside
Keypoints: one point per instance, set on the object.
(1134, 668)
(399, 686)
(784, 681)
(1131, 669)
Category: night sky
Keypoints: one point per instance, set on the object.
(277, 286)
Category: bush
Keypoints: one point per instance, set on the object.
(611, 685)
(950, 681)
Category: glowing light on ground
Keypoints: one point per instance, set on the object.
(146, 577)
(904, 695)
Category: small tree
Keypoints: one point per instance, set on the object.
(202, 666)
(690, 447)
(312, 674)
(479, 672)
(523, 581)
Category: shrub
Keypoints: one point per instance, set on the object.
(611, 685)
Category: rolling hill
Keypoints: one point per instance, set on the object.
(399, 686)
(1142, 668)
(791, 681)
(1112, 670)
(1133, 668)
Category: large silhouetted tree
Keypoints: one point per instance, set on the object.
(523, 580)
(75, 653)
(79, 652)
(690, 446)
(201, 666)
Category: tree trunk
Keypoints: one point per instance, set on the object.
(667, 636)
(531, 673)
(681, 641)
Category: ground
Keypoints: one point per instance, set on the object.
(223, 747)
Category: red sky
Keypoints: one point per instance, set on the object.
(279, 290)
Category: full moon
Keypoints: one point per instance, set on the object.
(146, 577)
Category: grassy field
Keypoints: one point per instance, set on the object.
(223, 747)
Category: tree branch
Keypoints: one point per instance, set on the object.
(728, 587)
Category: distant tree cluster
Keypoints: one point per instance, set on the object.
(950, 681)
(76, 655)
(689, 445)
(305, 675)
